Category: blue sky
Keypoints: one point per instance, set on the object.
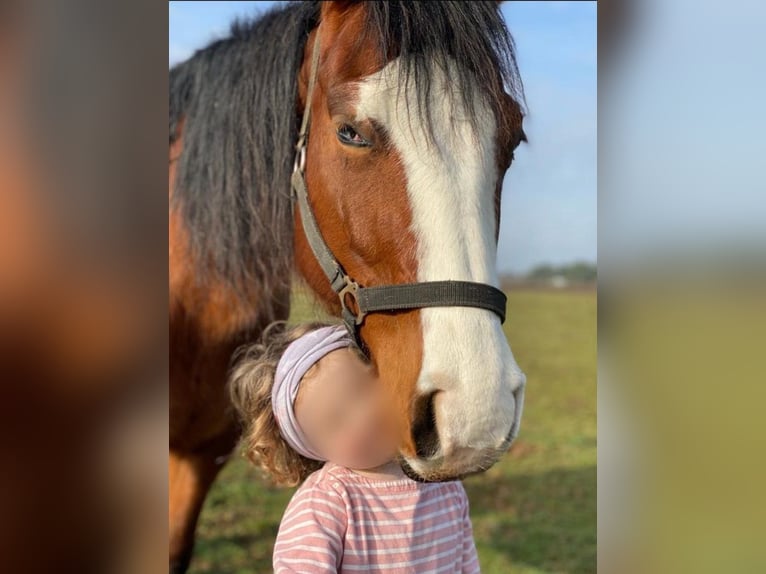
(550, 195)
(684, 122)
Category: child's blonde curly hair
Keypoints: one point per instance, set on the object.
(250, 386)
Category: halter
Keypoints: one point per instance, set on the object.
(357, 301)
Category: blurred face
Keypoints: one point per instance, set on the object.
(343, 412)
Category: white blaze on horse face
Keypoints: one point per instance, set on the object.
(451, 188)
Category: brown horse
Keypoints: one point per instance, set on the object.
(415, 116)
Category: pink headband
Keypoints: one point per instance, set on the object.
(298, 358)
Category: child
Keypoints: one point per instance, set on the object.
(314, 411)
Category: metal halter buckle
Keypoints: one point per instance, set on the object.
(351, 288)
(300, 159)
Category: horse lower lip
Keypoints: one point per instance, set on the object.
(409, 471)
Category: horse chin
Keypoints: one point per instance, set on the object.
(438, 475)
(409, 471)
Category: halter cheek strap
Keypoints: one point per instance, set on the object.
(357, 301)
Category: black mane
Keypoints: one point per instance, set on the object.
(237, 99)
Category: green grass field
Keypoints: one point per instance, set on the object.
(533, 512)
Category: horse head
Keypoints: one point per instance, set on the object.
(415, 114)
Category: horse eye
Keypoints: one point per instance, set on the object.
(349, 136)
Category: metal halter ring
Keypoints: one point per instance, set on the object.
(300, 159)
(350, 288)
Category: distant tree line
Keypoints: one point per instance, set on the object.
(578, 272)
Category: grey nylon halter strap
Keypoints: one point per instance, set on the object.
(385, 297)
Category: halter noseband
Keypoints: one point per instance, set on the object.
(385, 297)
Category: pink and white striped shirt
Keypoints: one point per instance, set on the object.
(341, 522)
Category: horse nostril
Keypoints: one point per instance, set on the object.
(424, 431)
